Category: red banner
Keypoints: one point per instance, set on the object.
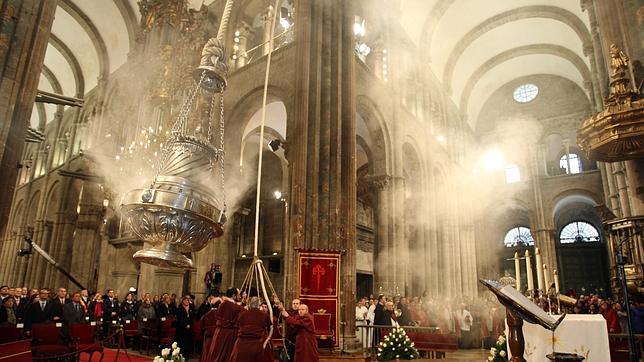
(319, 276)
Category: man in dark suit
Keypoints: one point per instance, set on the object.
(380, 318)
(110, 310)
(73, 312)
(405, 313)
(20, 305)
(166, 308)
(40, 311)
(58, 303)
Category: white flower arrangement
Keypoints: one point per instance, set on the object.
(172, 354)
(499, 353)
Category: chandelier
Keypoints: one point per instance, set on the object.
(180, 211)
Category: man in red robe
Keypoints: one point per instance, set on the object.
(306, 345)
(612, 320)
(291, 333)
(223, 339)
(253, 330)
(208, 325)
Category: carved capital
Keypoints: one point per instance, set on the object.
(379, 182)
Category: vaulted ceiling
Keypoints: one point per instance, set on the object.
(474, 47)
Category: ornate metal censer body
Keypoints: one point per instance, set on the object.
(178, 213)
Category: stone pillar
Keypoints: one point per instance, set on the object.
(597, 66)
(613, 30)
(35, 258)
(24, 32)
(80, 254)
(39, 276)
(268, 25)
(322, 141)
(543, 221)
(622, 188)
(383, 246)
(169, 280)
(242, 33)
(635, 173)
(64, 230)
(612, 197)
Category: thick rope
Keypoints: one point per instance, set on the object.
(223, 25)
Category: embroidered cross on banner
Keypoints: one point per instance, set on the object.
(318, 271)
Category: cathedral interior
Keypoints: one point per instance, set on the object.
(427, 140)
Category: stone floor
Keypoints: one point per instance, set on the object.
(477, 355)
(467, 355)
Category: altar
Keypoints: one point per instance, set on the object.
(583, 334)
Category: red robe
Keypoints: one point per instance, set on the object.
(306, 345)
(208, 325)
(223, 339)
(253, 329)
(612, 321)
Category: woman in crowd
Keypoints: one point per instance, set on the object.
(7, 314)
(96, 307)
(128, 307)
(145, 313)
(184, 324)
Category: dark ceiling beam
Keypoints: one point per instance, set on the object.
(532, 49)
(55, 84)
(526, 12)
(93, 33)
(71, 59)
(130, 20)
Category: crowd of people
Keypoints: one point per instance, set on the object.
(235, 326)
(476, 321)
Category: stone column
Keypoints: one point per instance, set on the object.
(383, 245)
(268, 24)
(622, 188)
(612, 197)
(80, 254)
(635, 173)
(24, 32)
(543, 221)
(613, 30)
(243, 32)
(597, 65)
(63, 231)
(322, 141)
(39, 275)
(36, 258)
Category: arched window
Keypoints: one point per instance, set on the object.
(578, 232)
(518, 236)
(570, 163)
(512, 173)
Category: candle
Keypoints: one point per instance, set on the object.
(517, 270)
(546, 276)
(537, 254)
(556, 276)
(528, 270)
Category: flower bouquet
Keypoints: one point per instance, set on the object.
(173, 354)
(499, 353)
(397, 345)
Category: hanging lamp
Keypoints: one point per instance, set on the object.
(180, 211)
